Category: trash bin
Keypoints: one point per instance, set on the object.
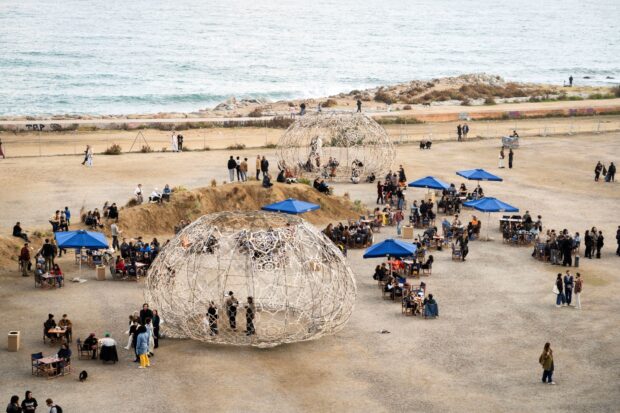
(100, 272)
(13, 341)
(408, 232)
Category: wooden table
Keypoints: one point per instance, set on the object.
(47, 367)
(48, 281)
(60, 333)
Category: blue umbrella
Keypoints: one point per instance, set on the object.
(429, 182)
(489, 205)
(391, 248)
(291, 206)
(478, 175)
(81, 239)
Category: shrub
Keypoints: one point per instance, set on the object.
(616, 91)
(407, 107)
(304, 181)
(383, 96)
(601, 96)
(346, 196)
(329, 103)
(489, 101)
(271, 146)
(113, 150)
(131, 203)
(213, 183)
(256, 113)
(164, 149)
(146, 149)
(466, 102)
(186, 148)
(236, 146)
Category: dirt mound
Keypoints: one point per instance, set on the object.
(155, 219)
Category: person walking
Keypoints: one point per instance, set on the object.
(546, 361)
(578, 290)
(600, 241)
(86, 154)
(510, 158)
(558, 289)
(142, 347)
(618, 241)
(597, 171)
(24, 259)
(1, 150)
(250, 311)
(257, 166)
(231, 310)
(501, 158)
(212, 318)
(232, 166)
(568, 287)
(465, 131)
(54, 408)
(459, 132)
(359, 106)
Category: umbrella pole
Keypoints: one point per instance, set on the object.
(488, 223)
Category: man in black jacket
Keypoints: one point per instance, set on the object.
(618, 240)
(232, 167)
(264, 166)
(47, 251)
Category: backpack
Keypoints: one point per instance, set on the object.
(58, 409)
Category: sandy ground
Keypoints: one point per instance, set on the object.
(74, 143)
(497, 309)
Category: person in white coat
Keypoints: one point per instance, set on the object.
(501, 158)
(174, 142)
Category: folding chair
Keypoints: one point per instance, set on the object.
(36, 366)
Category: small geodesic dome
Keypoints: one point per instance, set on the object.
(356, 145)
(300, 283)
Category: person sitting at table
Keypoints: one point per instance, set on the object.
(429, 263)
(91, 343)
(48, 325)
(58, 276)
(108, 349)
(456, 222)
(389, 286)
(165, 195)
(397, 264)
(463, 190)
(430, 232)
(430, 307)
(377, 275)
(66, 324)
(478, 192)
(119, 267)
(38, 274)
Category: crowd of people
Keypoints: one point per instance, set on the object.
(567, 286)
(357, 234)
(156, 195)
(231, 307)
(560, 248)
(29, 404)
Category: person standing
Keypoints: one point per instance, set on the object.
(501, 158)
(264, 166)
(600, 241)
(380, 199)
(465, 131)
(156, 322)
(212, 318)
(13, 406)
(174, 142)
(86, 154)
(560, 300)
(546, 361)
(145, 313)
(54, 408)
(29, 404)
(244, 170)
(589, 243)
(597, 171)
(232, 166)
(24, 259)
(459, 132)
(570, 81)
(142, 347)
(302, 108)
(238, 169)
(1, 150)
(510, 158)
(250, 311)
(115, 234)
(611, 173)
(578, 290)
(568, 287)
(231, 310)
(180, 142)
(47, 251)
(618, 240)
(359, 106)
(258, 162)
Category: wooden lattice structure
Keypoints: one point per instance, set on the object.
(299, 281)
(356, 144)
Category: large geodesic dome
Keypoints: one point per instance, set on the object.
(299, 281)
(338, 146)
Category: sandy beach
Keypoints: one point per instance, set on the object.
(496, 310)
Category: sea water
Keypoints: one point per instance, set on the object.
(145, 56)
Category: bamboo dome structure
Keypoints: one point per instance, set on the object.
(340, 146)
(297, 279)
